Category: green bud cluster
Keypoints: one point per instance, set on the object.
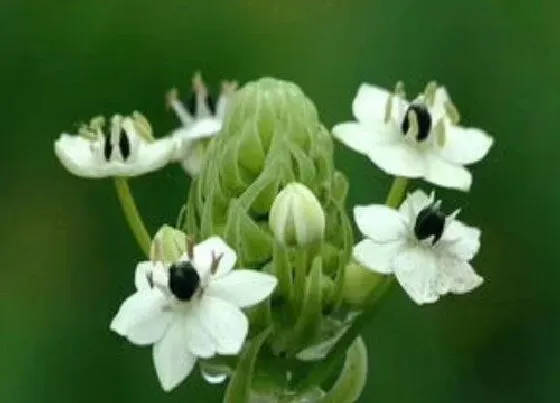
(268, 186)
(272, 136)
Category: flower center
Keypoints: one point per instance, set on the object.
(183, 280)
(424, 121)
(208, 101)
(123, 145)
(430, 222)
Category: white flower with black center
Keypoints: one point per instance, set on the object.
(201, 119)
(418, 139)
(190, 309)
(124, 148)
(427, 251)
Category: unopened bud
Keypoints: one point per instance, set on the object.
(168, 245)
(296, 217)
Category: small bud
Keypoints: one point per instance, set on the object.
(168, 245)
(296, 216)
(359, 282)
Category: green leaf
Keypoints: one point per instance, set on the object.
(239, 387)
(352, 379)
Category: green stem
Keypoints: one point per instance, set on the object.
(320, 372)
(396, 193)
(132, 215)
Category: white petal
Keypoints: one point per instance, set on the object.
(225, 323)
(77, 156)
(206, 251)
(355, 136)
(242, 287)
(456, 276)
(198, 339)
(201, 128)
(141, 318)
(149, 157)
(148, 273)
(379, 222)
(369, 104)
(414, 203)
(446, 174)
(193, 157)
(172, 359)
(400, 159)
(416, 271)
(460, 240)
(465, 145)
(376, 256)
(142, 274)
(83, 157)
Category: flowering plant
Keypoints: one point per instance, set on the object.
(260, 282)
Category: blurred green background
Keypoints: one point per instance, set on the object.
(68, 256)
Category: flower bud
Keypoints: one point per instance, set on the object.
(359, 282)
(168, 245)
(296, 217)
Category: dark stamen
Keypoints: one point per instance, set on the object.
(183, 280)
(124, 144)
(107, 148)
(430, 222)
(424, 121)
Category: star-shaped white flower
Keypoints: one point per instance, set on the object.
(126, 148)
(420, 139)
(428, 252)
(190, 309)
(201, 119)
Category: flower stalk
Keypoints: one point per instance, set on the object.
(132, 215)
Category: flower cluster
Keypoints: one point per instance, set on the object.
(277, 291)
(427, 250)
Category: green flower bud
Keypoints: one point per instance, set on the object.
(296, 217)
(359, 282)
(168, 244)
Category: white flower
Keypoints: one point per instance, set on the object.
(190, 309)
(428, 252)
(418, 139)
(201, 119)
(127, 149)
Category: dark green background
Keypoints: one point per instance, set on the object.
(67, 255)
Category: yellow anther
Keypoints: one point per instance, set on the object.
(413, 129)
(439, 132)
(142, 126)
(430, 93)
(198, 82)
(452, 111)
(96, 123)
(400, 90)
